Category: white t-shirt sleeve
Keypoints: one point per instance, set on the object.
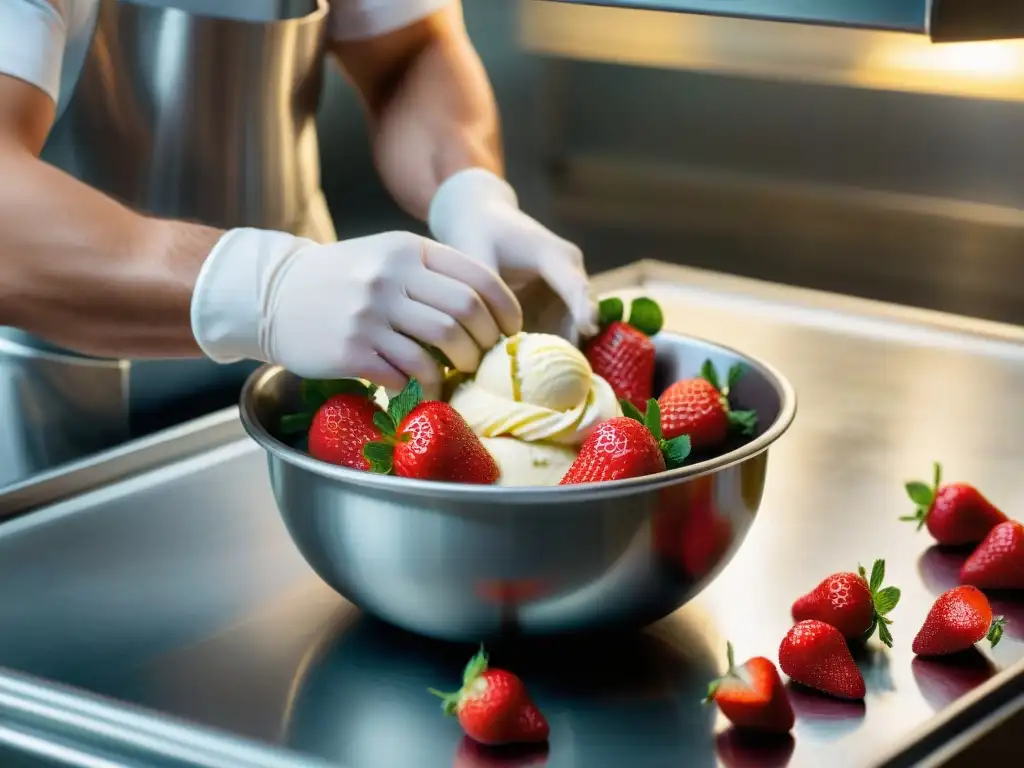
(363, 19)
(33, 34)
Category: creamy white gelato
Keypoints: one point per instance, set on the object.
(533, 401)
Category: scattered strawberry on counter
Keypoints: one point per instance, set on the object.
(622, 353)
(752, 696)
(493, 706)
(955, 513)
(626, 447)
(852, 604)
(815, 654)
(998, 561)
(699, 407)
(959, 619)
(428, 440)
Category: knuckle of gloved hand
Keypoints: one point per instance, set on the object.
(465, 305)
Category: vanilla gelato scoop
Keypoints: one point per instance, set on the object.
(536, 387)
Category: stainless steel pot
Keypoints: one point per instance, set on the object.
(467, 562)
(180, 115)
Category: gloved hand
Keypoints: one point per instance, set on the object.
(478, 213)
(355, 308)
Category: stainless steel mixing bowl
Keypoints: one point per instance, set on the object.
(470, 562)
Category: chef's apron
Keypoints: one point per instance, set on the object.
(201, 110)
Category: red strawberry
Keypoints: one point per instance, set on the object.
(752, 696)
(955, 513)
(814, 654)
(852, 604)
(623, 353)
(998, 562)
(338, 418)
(626, 446)
(428, 441)
(960, 618)
(494, 707)
(700, 408)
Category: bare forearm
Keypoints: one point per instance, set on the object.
(431, 108)
(84, 272)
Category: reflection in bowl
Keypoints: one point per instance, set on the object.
(425, 555)
(612, 701)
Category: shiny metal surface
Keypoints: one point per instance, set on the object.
(180, 592)
(464, 562)
(942, 20)
(184, 115)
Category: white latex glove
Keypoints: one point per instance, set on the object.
(478, 213)
(350, 309)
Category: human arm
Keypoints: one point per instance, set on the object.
(436, 142)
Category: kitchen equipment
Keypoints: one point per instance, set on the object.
(183, 115)
(183, 628)
(941, 20)
(470, 562)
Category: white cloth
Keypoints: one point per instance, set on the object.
(356, 308)
(44, 42)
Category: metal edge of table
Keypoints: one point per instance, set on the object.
(93, 722)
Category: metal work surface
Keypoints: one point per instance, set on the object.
(178, 590)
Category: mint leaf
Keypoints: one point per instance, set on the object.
(645, 315)
(919, 493)
(652, 418)
(384, 423)
(743, 422)
(631, 411)
(735, 374)
(676, 451)
(609, 311)
(708, 372)
(316, 391)
(402, 404)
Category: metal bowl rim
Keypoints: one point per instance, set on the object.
(497, 494)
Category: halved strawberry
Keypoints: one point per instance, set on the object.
(429, 441)
(626, 447)
(623, 353)
(699, 407)
(752, 696)
(852, 604)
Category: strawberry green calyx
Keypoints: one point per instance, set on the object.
(995, 631)
(714, 685)
(743, 422)
(380, 453)
(474, 669)
(884, 600)
(644, 314)
(675, 450)
(923, 496)
(316, 392)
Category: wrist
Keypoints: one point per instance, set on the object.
(460, 193)
(234, 292)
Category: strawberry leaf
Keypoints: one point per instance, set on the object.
(645, 315)
(877, 575)
(402, 404)
(995, 632)
(652, 418)
(449, 701)
(730, 656)
(919, 493)
(609, 311)
(631, 411)
(708, 372)
(476, 667)
(884, 634)
(744, 422)
(735, 374)
(676, 451)
(380, 457)
(886, 599)
(936, 476)
(315, 392)
(384, 423)
(295, 423)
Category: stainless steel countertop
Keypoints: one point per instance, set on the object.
(178, 589)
